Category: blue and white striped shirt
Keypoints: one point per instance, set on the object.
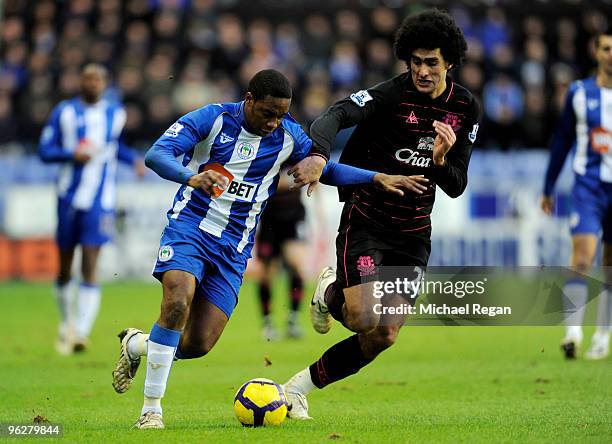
(91, 185)
(585, 128)
(217, 135)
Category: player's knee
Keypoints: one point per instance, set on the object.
(582, 260)
(581, 263)
(360, 321)
(384, 338)
(175, 284)
(174, 312)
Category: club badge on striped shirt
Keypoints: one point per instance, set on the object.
(245, 150)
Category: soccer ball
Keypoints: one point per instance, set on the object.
(260, 402)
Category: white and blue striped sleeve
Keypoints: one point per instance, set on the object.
(180, 138)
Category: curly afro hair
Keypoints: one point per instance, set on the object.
(430, 29)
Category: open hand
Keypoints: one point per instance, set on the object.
(394, 183)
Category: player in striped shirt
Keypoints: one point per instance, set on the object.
(232, 155)
(83, 135)
(585, 129)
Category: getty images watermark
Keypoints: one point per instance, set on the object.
(410, 289)
(488, 295)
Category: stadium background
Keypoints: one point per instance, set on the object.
(168, 57)
(437, 384)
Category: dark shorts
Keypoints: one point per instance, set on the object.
(361, 250)
(274, 232)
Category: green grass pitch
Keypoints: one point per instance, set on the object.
(437, 384)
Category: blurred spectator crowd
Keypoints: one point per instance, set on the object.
(168, 57)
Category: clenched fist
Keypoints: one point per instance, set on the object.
(207, 181)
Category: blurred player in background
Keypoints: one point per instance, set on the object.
(585, 128)
(280, 238)
(83, 135)
(420, 122)
(232, 156)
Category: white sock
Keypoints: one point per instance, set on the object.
(575, 293)
(301, 382)
(151, 405)
(159, 363)
(137, 345)
(601, 337)
(64, 295)
(574, 332)
(88, 305)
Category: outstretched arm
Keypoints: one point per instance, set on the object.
(343, 114)
(338, 174)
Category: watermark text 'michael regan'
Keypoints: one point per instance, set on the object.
(444, 310)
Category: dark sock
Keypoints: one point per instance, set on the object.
(343, 359)
(297, 291)
(264, 297)
(334, 298)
